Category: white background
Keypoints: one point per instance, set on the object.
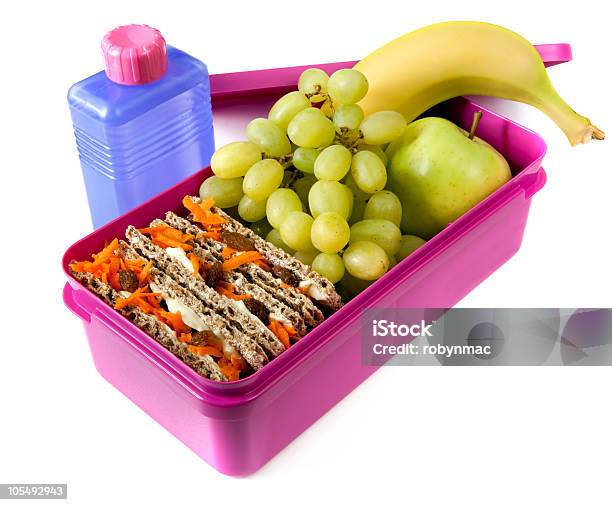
(428, 435)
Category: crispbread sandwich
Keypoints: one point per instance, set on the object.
(209, 290)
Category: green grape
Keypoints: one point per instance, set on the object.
(393, 147)
(358, 209)
(382, 127)
(261, 228)
(262, 178)
(280, 204)
(351, 200)
(392, 262)
(233, 160)
(313, 81)
(302, 187)
(269, 137)
(329, 265)
(295, 231)
(365, 260)
(348, 117)
(374, 149)
(347, 86)
(274, 238)
(369, 173)
(251, 210)
(225, 192)
(352, 286)
(352, 185)
(286, 107)
(304, 159)
(330, 232)
(408, 244)
(384, 205)
(329, 196)
(333, 163)
(310, 128)
(306, 257)
(380, 231)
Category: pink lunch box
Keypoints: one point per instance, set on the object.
(237, 427)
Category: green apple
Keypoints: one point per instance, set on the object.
(439, 172)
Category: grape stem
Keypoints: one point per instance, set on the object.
(295, 175)
(285, 161)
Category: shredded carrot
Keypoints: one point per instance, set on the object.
(229, 290)
(152, 230)
(174, 320)
(124, 302)
(201, 212)
(132, 264)
(284, 332)
(114, 281)
(285, 285)
(263, 264)
(207, 204)
(229, 369)
(143, 276)
(279, 330)
(166, 236)
(99, 259)
(106, 253)
(184, 337)
(238, 361)
(106, 266)
(195, 263)
(241, 259)
(228, 252)
(203, 350)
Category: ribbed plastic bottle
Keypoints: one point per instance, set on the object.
(143, 124)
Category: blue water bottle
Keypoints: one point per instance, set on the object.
(142, 125)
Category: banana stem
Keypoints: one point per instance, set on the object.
(475, 122)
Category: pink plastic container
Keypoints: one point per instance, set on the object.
(237, 427)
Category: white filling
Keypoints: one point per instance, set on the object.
(313, 291)
(228, 349)
(179, 254)
(241, 306)
(189, 316)
(280, 319)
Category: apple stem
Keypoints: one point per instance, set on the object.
(475, 121)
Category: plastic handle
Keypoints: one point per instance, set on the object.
(554, 54)
(73, 305)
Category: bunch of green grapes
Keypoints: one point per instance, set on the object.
(311, 178)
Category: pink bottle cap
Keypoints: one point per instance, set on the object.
(134, 54)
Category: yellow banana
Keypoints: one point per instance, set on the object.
(423, 68)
